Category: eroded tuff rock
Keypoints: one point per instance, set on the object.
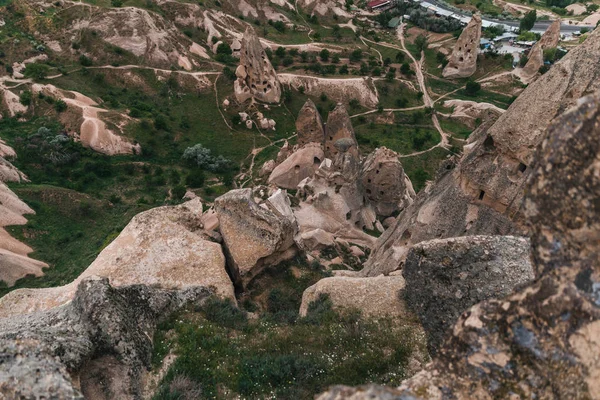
(309, 125)
(444, 277)
(256, 78)
(339, 127)
(386, 185)
(463, 60)
(374, 297)
(301, 164)
(481, 193)
(255, 236)
(64, 353)
(8, 172)
(162, 247)
(544, 340)
(548, 40)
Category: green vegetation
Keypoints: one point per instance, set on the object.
(528, 20)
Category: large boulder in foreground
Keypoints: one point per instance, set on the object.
(300, 165)
(102, 339)
(463, 60)
(444, 277)
(162, 247)
(255, 237)
(543, 341)
(374, 297)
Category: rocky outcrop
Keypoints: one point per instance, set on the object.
(254, 236)
(463, 60)
(548, 40)
(339, 128)
(8, 172)
(256, 78)
(374, 297)
(103, 338)
(481, 193)
(309, 125)
(531, 343)
(162, 247)
(386, 185)
(444, 277)
(297, 167)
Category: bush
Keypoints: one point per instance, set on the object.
(472, 88)
(324, 55)
(529, 19)
(178, 192)
(85, 61)
(60, 106)
(25, 98)
(36, 71)
(356, 55)
(523, 61)
(421, 42)
(225, 313)
(195, 179)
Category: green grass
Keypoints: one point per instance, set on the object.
(404, 139)
(423, 167)
(455, 128)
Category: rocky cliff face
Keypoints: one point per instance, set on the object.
(309, 125)
(256, 78)
(548, 40)
(532, 342)
(481, 193)
(339, 131)
(463, 60)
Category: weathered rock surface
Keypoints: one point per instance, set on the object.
(544, 340)
(162, 247)
(300, 165)
(463, 60)
(256, 78)
(63, 353)
(444, 277)
(309, 125)
(8, 172)
(386, 185)
(374, 297)
(339, 127)
(548, 40)
(255, 237)
(481, 193)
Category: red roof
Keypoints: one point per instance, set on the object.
(377, 3)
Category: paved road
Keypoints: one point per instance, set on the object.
(540, 26)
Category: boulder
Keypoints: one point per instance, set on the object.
(309, 125)
(444, 277)
(463, 60)
(256, 78)
(386, 185)
(297, 167)
(267, 168)
(374, 297)
(8, 172)
(162, 247)
(339, 127)
(535, 60)
(317, 239)
(101, 339)
(254, 237)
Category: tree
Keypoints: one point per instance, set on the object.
(60, 106)
(523, 61)
(178, 192)
(195, 178)
(85, 61)
(324, 55)
(36, 71)
(528, 21)
(400, 56)
(25, 98)
(224, 48)
(354, 103)
(203, 158)
(335, 58)
(356, 55)
(405, 68)
(280, 52)
(421, 42)
(472, 87)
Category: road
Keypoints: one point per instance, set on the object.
(540, 26)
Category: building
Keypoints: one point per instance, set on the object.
(379, 5)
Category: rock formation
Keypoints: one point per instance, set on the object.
(297, 167)
(481, 193)
(309, 125)
(256, 78)
(542, 341)
(103, 338)
(254, 236)
(548, 40)
(444, 277)
(162, 247)
(374, 297)
(386, 185)
(463, 60)
(339, 127)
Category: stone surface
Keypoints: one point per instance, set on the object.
(481, 192)
(267, 168)
(548, 40)
(300, 165)
(542, 341)
(386, 185)
(256, 78)
(374, 297)
(339, 127)
(309, 125)
(162, 247)
(444, 277)
(462, 63)
(49, 355)
(254, 237)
